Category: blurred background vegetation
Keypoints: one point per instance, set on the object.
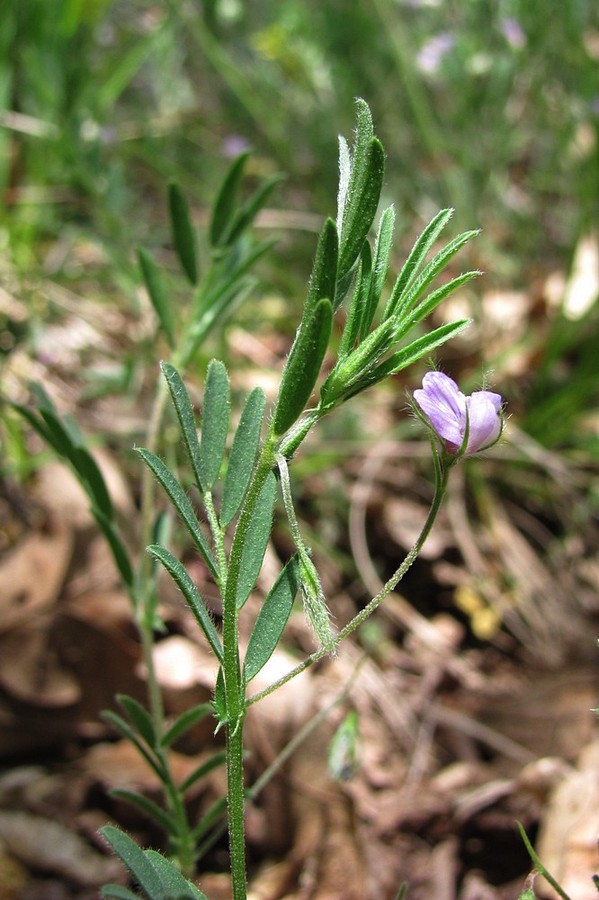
(489, 107)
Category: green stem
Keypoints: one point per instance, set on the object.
(234, 688)
(441, 473)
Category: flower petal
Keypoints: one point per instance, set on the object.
(445, 406)
(483, 419)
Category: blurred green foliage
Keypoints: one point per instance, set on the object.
(490, 107)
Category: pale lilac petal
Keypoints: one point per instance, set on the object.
(450, 413)
(484, 420)
(445, 406)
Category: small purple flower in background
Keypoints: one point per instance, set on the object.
(451, 413)
(431, 53)
(233, 145)
(513, 33)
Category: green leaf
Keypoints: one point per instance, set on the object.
(136, 861)
(415, 259)
(93, 480)
(118, 549)
(180, 575)
(156, 292)
(185, 721)
(324, 269)
(343, 749)
(125, 729)
(226, 202)
(380, 265)
(146, 805)
(117, 892)
(431, 270)
(182, 504)
(186, 417)
(356, 307)
(219, 702)
(214, 814)
(176, 887)
(417, 349)
(217, 759)
(363, 202)
(139, 717)
(428, 305)
(215, 422)
(247, 213)
(272, 619)
(303, 366)
(363, 358)
(256, 541)
(243, 455)
(183, 235)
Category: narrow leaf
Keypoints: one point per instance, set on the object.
(213, 815)
(416, 257)
(358, 301)
(380, 265)
(247, 213)
(117, 892)
(139, 717)
(419, 348)
(120, 554)
(182, 504)
(125, 729)
(324, 268)
(181, 577)
(217, 759)
(157, 293)
(431, 302)
(176, 887)
(135, 860)
(185, 721)
(186, 417)
(183, 236)
(357, 363)
(215, 422)
(272, 619)
(256, 541)
(362, 207)
(93, 480)
(303, 366)
(431, 270)
(226, 201)
(147, 806)
(243, 455)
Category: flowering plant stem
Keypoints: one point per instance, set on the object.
(442, 468)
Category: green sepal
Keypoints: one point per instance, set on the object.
(272, 619)
(139, 717)
(215, 422)
(182, 504)
(303, 366)
(187, 420)
(182, 230)
(157, 293)
(181, 577)
(226, 202)
(243, 455)
(256, 540)
(185, 721)
(217, 759)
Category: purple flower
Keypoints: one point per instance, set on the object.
(430, 55)
(451, 414)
